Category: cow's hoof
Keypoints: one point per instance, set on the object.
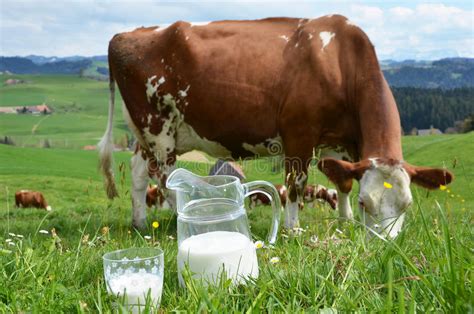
(139, 225)
(343, 220)
(292, 225)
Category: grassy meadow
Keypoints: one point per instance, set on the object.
(329, 267)
(80, 108)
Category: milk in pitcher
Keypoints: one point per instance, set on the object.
(209, 254)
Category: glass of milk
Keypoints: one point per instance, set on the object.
(136, 276)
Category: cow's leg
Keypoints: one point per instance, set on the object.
(160, 177)
(140, 180)
(296, 168)
(344, 205)
(296, 182)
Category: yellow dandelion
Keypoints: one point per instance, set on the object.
(442, 187)
(155, 224)
(259, 244)
(387, 185)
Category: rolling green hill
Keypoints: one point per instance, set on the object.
(445, 73)
(80, 111)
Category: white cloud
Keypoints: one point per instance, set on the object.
(367, 15)
(401, 12)
(85, 27)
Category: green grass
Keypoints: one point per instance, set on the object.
(80, 111)
(428, 268)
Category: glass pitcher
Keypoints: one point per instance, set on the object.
(213, 230)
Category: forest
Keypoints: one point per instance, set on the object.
(422, 108)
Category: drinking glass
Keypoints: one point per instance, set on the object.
(136, 275)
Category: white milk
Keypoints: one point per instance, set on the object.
(136, 287)
(207, 253)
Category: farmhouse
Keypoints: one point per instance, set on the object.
(117, 148)
(8, 110)
(430, 131)
(36, 110)
(13, 82)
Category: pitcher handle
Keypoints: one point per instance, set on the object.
(269, 191)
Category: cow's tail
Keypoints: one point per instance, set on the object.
(106, 146)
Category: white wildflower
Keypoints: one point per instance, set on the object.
(298, 231)
(274, 260)
(44, 231)
(147, 237)
(259, 244)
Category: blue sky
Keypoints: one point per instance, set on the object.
(399, 29)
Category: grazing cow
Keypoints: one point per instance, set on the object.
(315, 192)
(311, 194)
(258, 199)
(273, 86)
(25, 198)
(155, 197)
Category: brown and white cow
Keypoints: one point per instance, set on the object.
(258, 199)
(317, 192)
(312, 193)
(26, 198)
(242, 88)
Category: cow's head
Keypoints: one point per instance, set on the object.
(384, 187)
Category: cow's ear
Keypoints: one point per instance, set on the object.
(429, 178)
(341, 173)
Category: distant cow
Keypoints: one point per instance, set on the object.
(311, 194)
(314, 192)
(35, 199)
(258, 199)
(154, 197)
(277, 86)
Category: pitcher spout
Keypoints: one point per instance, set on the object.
(182, 180)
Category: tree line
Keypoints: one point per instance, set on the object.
(422, 108)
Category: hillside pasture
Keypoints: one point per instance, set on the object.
(80, 108)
